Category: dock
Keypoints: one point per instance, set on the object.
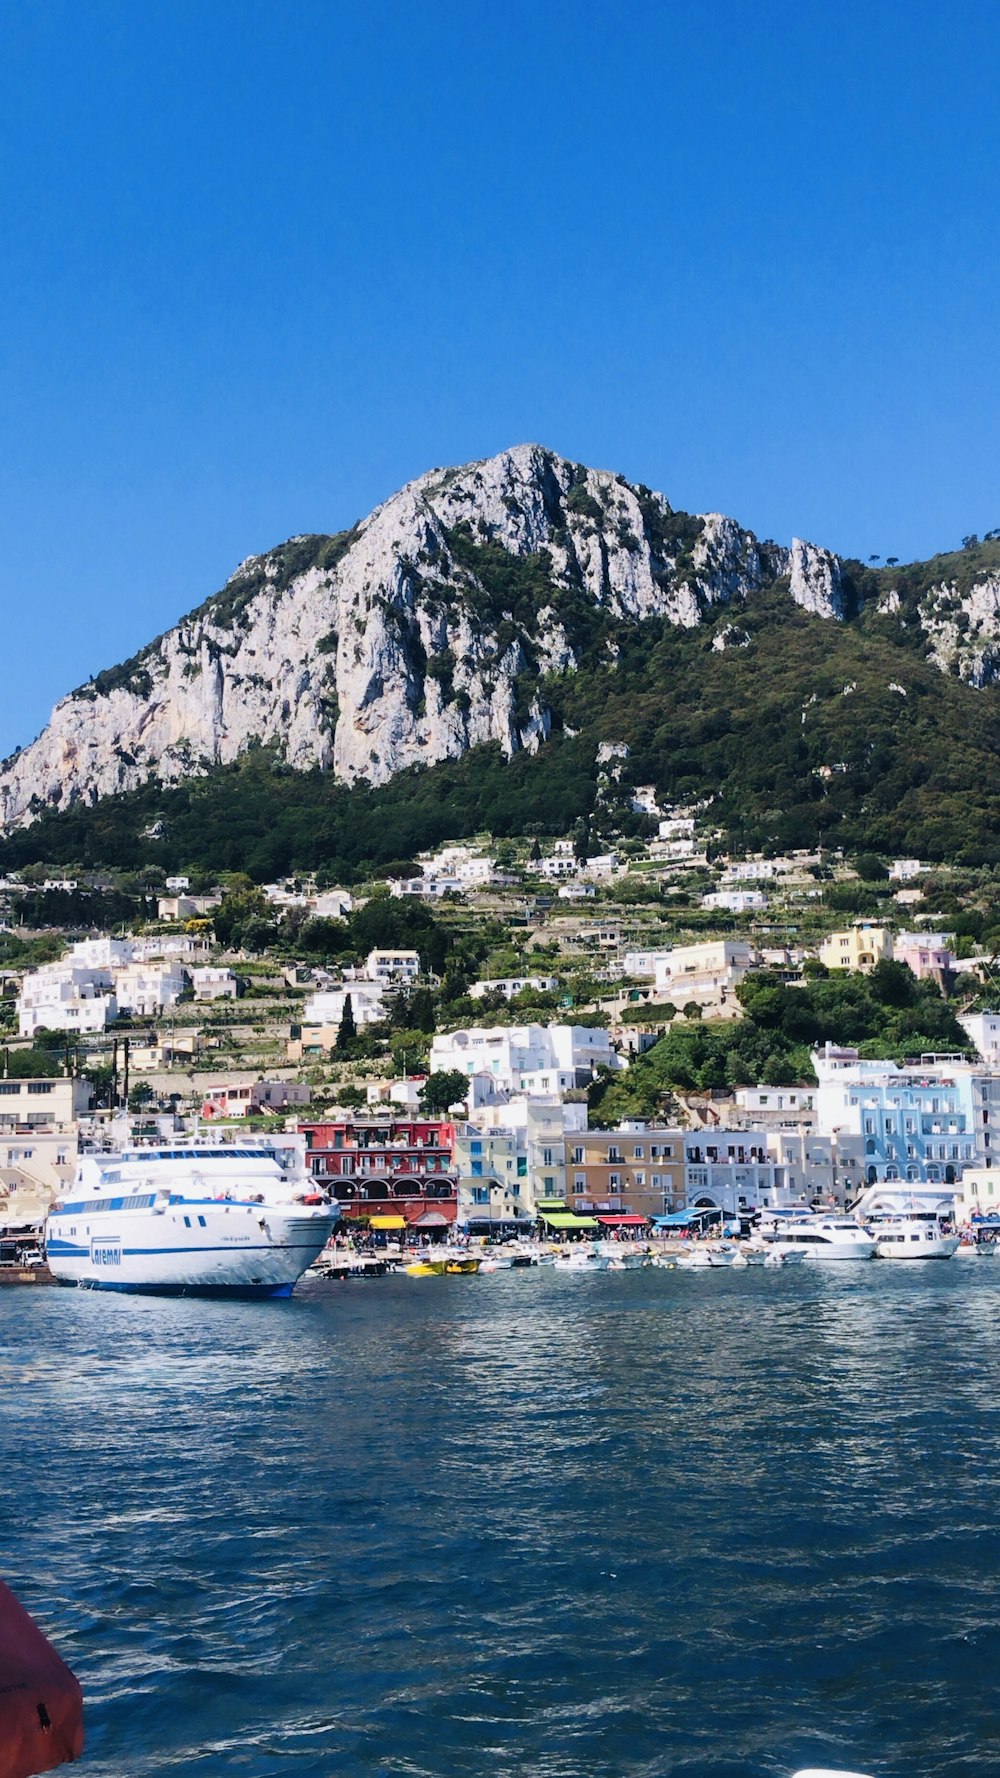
(26, 1275)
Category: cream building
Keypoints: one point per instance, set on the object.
(859, 948)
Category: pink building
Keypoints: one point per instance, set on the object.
(926, 953)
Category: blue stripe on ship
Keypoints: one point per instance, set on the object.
(249, 1292)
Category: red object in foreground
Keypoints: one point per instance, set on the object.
(41, 1704)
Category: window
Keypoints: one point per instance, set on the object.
(578, 1157)
(639, 1178)
(480, 1195)
(579, 1182)
(637, 1152)
(10, 1086)
(614, 1182)
(869, 1126)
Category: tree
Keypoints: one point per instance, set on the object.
(870, 868)
(443, 1089)
(140, 1096)
(347, 1030)
(891, 561)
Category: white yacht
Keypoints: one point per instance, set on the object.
(191, 1217)
(914, 1237)
(819, 1237)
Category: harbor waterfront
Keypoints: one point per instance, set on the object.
(521, 1524)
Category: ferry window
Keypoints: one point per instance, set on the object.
(201, 1219)
(187, 1222)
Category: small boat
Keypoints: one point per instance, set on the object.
(577, 1259)
(425, 1268)
(468, 1263)
(698, 1259)
(914, 1237)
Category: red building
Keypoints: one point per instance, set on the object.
(378, 1168)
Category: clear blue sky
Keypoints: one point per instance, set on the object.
(263, 260)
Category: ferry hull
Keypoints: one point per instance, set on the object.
(191, 1248)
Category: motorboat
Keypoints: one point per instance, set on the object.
(698, 1259)
(578, 1259)
(914, 1237)
(819, 1237)
(240, 1217)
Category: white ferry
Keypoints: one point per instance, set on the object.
(195, 1217)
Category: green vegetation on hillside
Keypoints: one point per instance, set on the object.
(261, 817)
(885, 1014)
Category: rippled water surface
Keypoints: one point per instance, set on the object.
(624, 1524)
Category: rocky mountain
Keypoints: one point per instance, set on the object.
(439, 623)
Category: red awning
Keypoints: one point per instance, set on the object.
(624, 1222)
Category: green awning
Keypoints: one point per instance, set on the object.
(550, 1203)
(564, 1219)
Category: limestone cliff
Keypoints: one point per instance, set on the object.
(426, 630)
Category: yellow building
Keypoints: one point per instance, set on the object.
(860, 948)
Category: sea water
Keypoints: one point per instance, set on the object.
(596, 1526)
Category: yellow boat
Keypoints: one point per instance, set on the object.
(463, 1265)
(425, 1268)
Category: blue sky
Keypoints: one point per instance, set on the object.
(264, 261)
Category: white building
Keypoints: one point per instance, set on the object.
(332, 904)
(214, 984)
(643, 964)
(983, 1030)
(327, 1007)
(735, 901)
(148, 989)
(903, 870)
(703, 972)
(392, 966)
(529, 1059)
(731, 1170)
(751, 870)
(510, 985)
(66, 997)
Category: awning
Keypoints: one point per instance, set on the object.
(387, 1222)
(429, 1219)
(682, 1218)
(629, 1221)
(564, 1219)
(542, 1204)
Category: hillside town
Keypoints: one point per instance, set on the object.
(466, 1081)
